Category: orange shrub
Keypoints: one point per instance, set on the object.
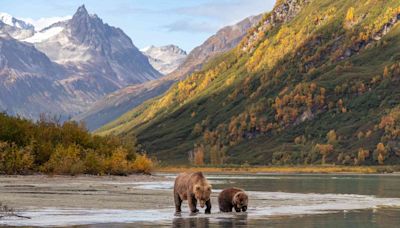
(142, 164)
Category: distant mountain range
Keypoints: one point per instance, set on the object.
(116, 104)
(165, 59)
(65, 67)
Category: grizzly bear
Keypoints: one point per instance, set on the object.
(192, 187)
(233, 198)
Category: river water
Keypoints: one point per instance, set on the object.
(275, 200)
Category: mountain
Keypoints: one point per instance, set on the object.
(28, 81)
(16, 28)
(114, 105)
(315, 82)
(14, 22)
(85, 58)
(165, 59)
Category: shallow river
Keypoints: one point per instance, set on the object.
(275, 201)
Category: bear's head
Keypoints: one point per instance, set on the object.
(202, 193)
(240, 201)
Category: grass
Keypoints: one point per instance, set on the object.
(283, 169)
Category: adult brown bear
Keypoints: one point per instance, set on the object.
(233, 198)
(192, 187)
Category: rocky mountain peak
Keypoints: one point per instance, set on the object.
(87, 29)
(81, 11)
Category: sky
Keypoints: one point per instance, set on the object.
(186, 23)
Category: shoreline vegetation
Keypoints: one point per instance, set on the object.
(313, 169)
(50, 146)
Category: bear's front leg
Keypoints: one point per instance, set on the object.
(192, 204)
(208, 207)
(178, 202)
(237, 209)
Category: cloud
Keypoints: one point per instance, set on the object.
(42, 23)
(190, 26)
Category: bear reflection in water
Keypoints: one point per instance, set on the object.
(239, 220)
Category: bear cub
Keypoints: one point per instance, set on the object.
(233, 198)
(194, 188)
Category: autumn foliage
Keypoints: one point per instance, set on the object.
(50, 146)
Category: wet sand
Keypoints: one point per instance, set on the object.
(107, 192)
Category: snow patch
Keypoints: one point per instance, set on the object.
(45, 22)
(44, 35)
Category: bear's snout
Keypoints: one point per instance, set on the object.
(202, 203)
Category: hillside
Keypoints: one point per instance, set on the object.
(316, 82)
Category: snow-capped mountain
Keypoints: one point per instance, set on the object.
(103, 56)
(15, 28)
(30, 30)
(66, 66)
(165, 59)
(12, 21)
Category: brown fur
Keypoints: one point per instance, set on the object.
(233, 198)
(192, 187)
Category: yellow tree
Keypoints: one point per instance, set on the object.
(325, 150)
(198, 155)
(381, 151)
(362, 155)
(350, 15)
(331, 137)
(386, 72)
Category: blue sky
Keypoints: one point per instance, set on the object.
(186, 23)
